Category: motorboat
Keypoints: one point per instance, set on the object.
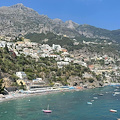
(100, 94)
(112, 110)
(95, 97)
(90, 103)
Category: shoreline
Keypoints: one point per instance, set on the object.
(17, 95)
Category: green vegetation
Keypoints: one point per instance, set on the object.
(68, 43)
(1, 88)
(52, 39)
(45, 68)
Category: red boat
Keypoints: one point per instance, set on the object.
(47, 111)
(111, 110)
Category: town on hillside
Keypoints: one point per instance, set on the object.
(104, 65)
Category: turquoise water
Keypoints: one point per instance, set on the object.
(65, 106)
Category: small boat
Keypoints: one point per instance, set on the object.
(47, 111)
(118, 118)
(89, 103)
(111, 110)
(116, 90)
(117, 93)
(95, 97)
(101, 94)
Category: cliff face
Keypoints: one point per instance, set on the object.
(18, 19)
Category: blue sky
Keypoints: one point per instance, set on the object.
(100, 13)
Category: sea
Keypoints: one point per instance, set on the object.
(65, 106)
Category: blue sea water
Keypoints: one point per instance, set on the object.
(64, 106)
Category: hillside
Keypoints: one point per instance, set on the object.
(105, 47)
(46, 69)
(18, 19)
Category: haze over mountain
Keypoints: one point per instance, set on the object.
(18, 19)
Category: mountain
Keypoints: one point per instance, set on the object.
(18, 19)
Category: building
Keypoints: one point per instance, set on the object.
(21, 75)
(62, 63)
(56, 47)
(20, 82)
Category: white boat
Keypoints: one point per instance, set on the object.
(117, 93)
(89, 103)
(95, 97)
(112, 110)
(100, 94)
(47, 111)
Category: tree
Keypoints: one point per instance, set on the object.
(14, 77)
(1, 88)
(22, 86)
(21, 39)
(6, 49)
(91, 80)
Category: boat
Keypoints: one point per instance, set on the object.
(89, 103)
(95, 97)
(100, 94)
(118, 118)
(114, 94)
(111, 110)
(47, 111)
(117, 93)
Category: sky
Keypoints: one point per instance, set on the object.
(99, 13)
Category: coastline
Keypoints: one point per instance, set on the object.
(16, 95)
(19, 95)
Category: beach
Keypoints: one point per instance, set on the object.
(19, 95)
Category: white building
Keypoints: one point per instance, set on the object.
(3, 43)
(62, 63)
(56, 47)
(45, 48)
(21, 75)
(38, 80)
(80, 63)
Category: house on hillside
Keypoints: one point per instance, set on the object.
(2, 44)
(21, 82)
(63, 50)
(80, 63)
(56, 47)
(62, 63)
(38, 81)
(21, 75)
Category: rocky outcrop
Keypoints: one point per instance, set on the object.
(77, 81)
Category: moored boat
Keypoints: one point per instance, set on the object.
(95, 97)
(111, 110)
(89, 103)
(100, 94)
(47, 111)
